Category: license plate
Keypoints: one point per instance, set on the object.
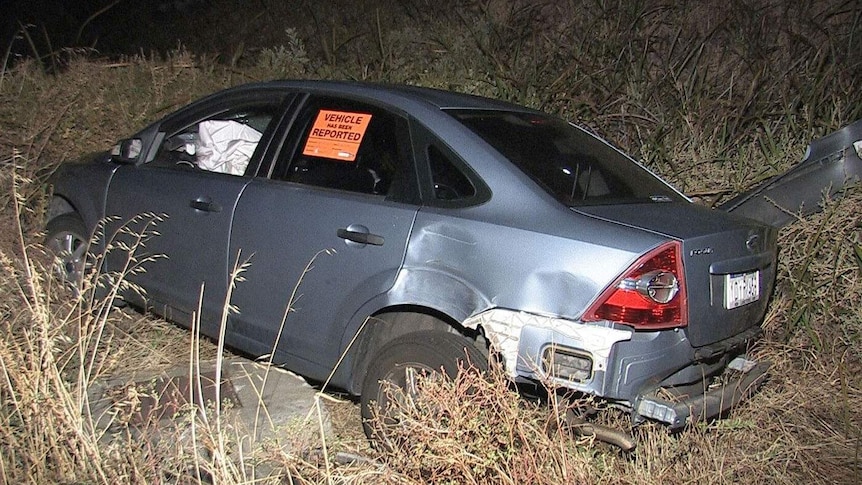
(741, 289)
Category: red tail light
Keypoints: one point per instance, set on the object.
(649, 295)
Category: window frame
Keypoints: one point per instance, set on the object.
(302, 118)
(423, 140)
(210, 108)
(616, 169)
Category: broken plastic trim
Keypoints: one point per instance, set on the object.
(520, 339)
(687, 409)
(830, 164)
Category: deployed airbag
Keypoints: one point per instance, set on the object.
(225, 146)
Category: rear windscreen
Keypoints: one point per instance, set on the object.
(575, 167)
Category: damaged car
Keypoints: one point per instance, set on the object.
(424, 229)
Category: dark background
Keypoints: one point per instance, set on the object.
(48, 25)
(112, 28)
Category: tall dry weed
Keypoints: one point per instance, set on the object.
(60, 344)
(821, 280)
(477, 429)
(51, 353)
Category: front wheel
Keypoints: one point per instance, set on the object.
(395, 375)
(66, 238)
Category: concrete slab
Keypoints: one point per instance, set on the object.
(260, 405)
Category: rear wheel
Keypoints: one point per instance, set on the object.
(67, 239)
(395, 376)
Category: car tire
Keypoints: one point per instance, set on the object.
(428, 352)
(67, 239)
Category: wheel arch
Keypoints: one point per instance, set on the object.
(82, 189)
(390, 323)
(62, 205)
(419, 299)
(58, 206)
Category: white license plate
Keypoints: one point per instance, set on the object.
(741, 289)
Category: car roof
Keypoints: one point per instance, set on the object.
(397, 95)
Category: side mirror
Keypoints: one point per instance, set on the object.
(127, 151)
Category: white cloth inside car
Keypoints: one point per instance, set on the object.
(225, 146)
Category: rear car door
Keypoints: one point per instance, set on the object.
(331, 221)
(180, 204)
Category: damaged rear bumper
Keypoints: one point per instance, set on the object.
(681, 408)
(829, 165)
(655, 375)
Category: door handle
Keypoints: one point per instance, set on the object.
(360, 237)
(205, 205)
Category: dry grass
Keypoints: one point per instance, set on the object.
(63, 423)
(712, 98)
(50, 356)
(478, 430)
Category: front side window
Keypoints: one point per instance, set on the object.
(224, 142)
(348, 145)
(574, 166)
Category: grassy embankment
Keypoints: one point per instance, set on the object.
(712, 98)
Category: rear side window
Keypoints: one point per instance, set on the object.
(450, 184)
(346, 145)
(574, 166)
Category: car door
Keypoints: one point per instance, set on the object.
(328, 227)
(177, 208)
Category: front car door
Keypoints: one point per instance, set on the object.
(182, 202)
(341, 196)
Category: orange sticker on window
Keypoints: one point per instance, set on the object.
(336, 135)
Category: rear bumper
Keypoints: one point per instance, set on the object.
(655, 375)
(829, 165)
(681, 408)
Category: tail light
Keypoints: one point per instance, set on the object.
(650, 294)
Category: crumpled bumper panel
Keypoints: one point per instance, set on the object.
(678, 410)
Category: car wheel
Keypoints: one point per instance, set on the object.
(67, 239)
(394, 376)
